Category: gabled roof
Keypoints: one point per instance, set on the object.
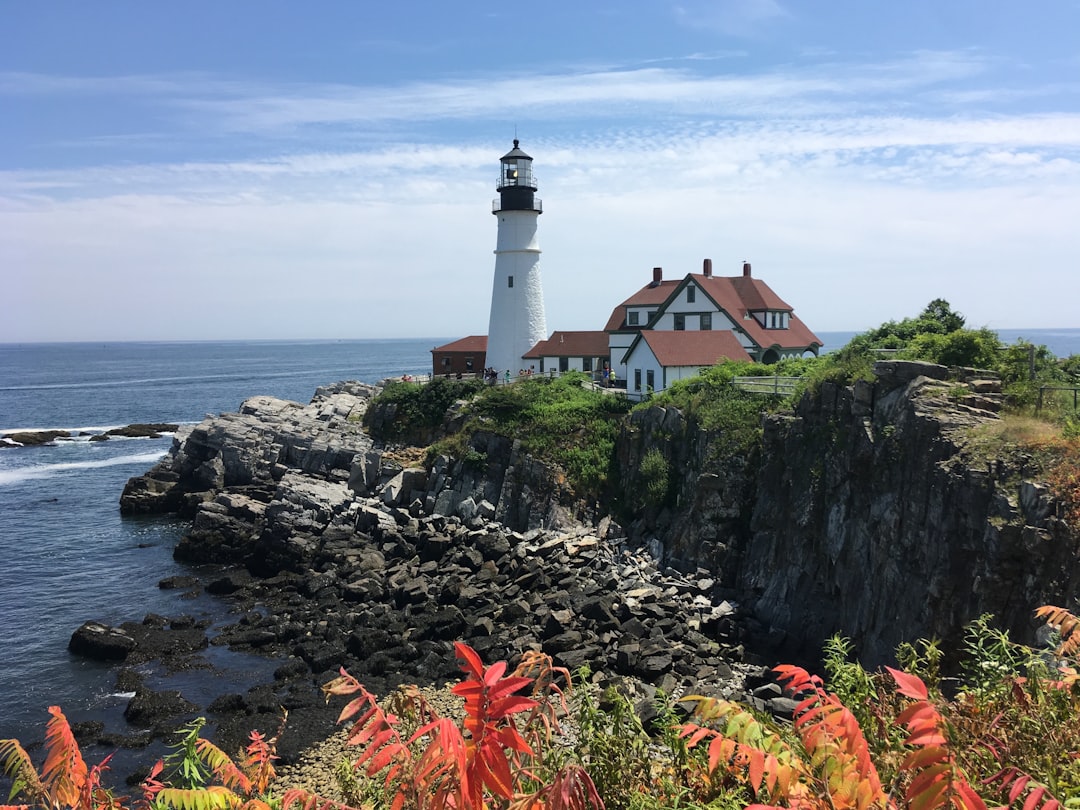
(570, 344)
(650, 295)
(672, 349)
(472, 343)
(741, 295)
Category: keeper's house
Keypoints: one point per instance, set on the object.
(670, 329)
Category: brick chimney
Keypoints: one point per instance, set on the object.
(657, 275)
(706, 268)
(746, 269)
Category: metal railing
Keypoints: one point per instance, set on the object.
(1043, 388)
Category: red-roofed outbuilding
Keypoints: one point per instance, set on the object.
(465, 356)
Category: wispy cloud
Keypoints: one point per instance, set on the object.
(263, 109)
(739, 18)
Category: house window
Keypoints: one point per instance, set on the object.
(586, 364)
(446, 362)
(510, 281)
(680, 323)
(650, 380)
(706, 321)
(691, 294)
(650, 315)
(632, 318)
(468, 364)
(541, 365)
(637, 379)
(564, 364)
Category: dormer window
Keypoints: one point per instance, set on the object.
(632, 318)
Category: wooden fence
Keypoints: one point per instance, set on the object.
(776, 385)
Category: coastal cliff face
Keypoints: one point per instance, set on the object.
(871, 519)
(861, 512)
(866, 516)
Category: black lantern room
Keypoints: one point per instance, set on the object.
(517, 186)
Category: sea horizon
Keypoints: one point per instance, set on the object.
(1009, 330)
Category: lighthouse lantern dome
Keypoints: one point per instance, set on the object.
(516, 186)
(516, 169)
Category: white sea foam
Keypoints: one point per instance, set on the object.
(8, 477)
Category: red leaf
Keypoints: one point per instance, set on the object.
(1018, 787)
(507, 686)
(510, 738)
(1032, 801)
(494, 673)
(510, 705)
(495, 771)
(910, 685)
(471, 662)
(972, 800)
(757, 769)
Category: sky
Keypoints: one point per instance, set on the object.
(265, 169)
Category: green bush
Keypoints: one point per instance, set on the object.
(654, 471)
(419, 406)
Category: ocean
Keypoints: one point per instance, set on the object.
(68, 556)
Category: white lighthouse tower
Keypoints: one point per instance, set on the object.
(517, 320)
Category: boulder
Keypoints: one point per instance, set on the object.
(101, 642)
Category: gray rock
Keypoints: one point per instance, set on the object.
(101, 642)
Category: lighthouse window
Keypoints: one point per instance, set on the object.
(510, 281)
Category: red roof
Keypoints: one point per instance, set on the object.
(740, 295)
(651, 294)
(472, 343)
(693, 348)
(571, 344)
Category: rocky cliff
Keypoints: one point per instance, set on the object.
(860, 512)
(865, 515)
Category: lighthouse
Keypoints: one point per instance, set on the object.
(517, 322)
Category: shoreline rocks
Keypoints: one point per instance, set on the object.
(340, 555)
(43, 438)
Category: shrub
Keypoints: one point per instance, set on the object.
(419, 406)
(494, 757)
(198, 774)
(1011, 734)
(654, 471)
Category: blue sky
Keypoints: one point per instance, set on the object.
(267, 169)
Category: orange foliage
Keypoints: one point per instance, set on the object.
(487, 759)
